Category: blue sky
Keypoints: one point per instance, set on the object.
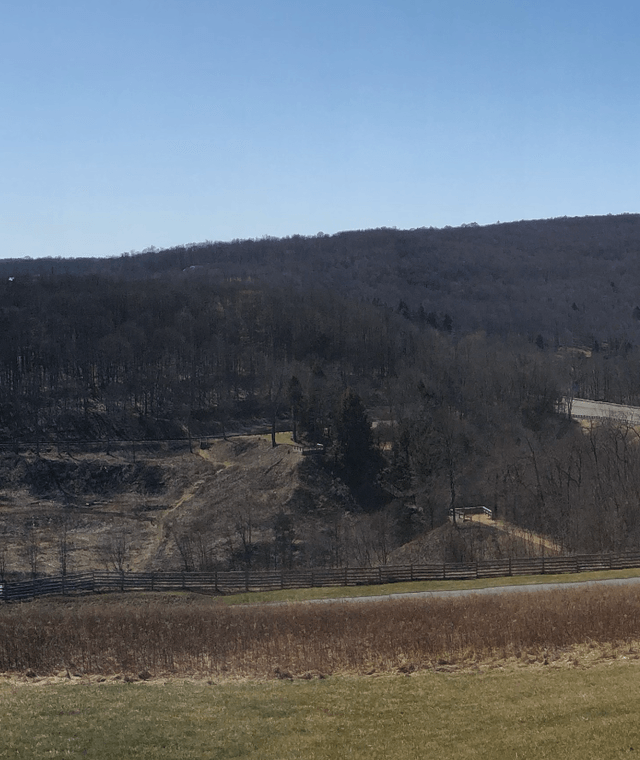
(130, 124)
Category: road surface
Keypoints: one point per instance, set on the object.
(468, 592)
(585, 409)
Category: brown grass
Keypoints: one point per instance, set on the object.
(204, 494)
(201, 638)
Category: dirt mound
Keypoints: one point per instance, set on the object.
(471, 541)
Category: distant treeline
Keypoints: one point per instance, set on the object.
(566, 280)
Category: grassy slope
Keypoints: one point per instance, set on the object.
(532, 713)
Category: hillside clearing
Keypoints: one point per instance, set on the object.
(105, 502)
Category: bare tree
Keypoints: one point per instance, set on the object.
(31, 547)
(244, 531)
(115, 549)
(64, 546)
(275, 388)
(203, 551)
(184, 542)
(194, 547)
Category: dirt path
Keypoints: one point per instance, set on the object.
(534, 538)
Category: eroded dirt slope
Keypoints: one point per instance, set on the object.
(104, 510)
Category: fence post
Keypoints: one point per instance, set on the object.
(379, 574)
(510, 572)
(246, 580)
(122, 580)
(281, 579)
(444, 571)
(215, 580)
(411, 572)
(346, 579)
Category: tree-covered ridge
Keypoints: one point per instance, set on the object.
(570, 281)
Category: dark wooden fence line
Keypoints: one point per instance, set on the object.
(237, 581)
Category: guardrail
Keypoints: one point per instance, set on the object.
(237, 581)
(466, 513)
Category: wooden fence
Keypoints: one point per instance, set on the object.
(236, 581)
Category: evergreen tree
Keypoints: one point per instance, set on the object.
(356, 456)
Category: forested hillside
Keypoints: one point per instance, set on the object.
(457, 344)
(567, 280)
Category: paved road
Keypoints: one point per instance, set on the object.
(581, 407)
(468, 592)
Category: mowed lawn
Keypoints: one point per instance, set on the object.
(514, 712)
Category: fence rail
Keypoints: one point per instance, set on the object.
(237, 581)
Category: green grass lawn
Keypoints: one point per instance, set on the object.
(529, 713)
(334, 592)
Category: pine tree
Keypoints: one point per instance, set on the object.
(356, 456)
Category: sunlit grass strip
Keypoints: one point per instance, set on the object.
(292, 640)
(338, 592)
(531, 714)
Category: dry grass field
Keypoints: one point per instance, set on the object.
(537, 675)
(190, 635)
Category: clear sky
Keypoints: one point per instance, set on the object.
(127, 124)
